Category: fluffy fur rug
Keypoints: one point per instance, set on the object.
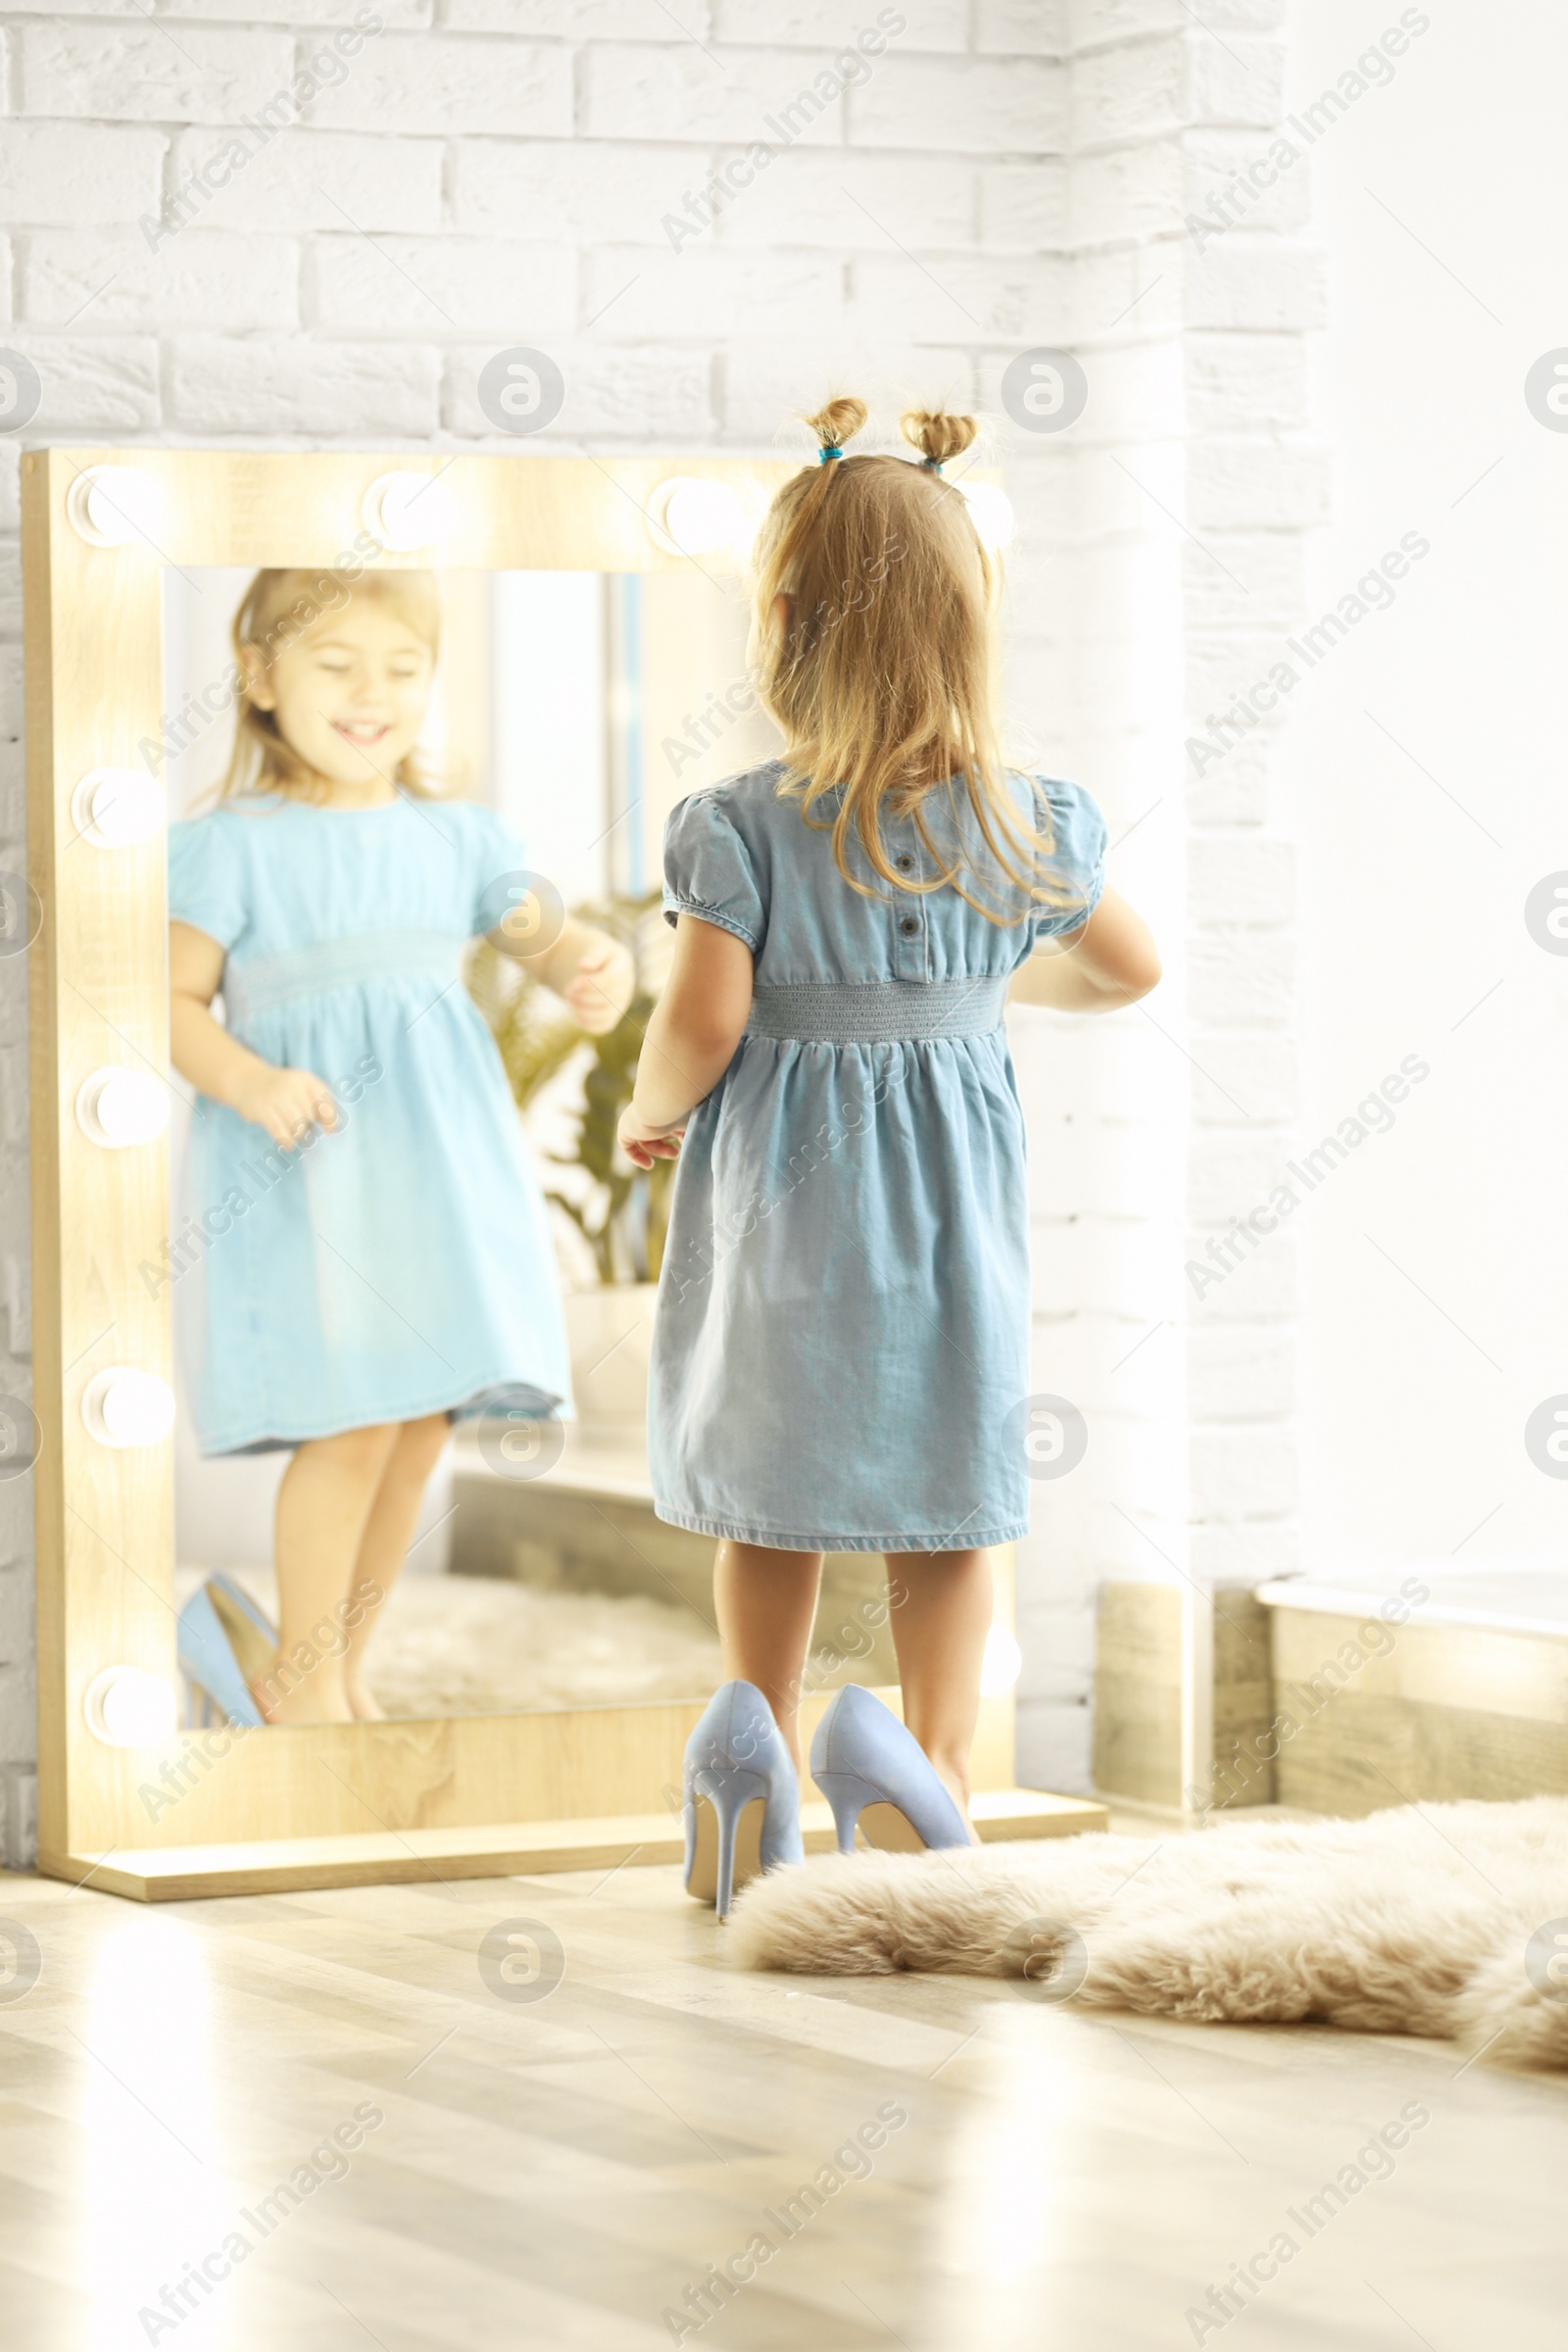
(1440, 1920)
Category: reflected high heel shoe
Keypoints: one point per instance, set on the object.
(742, 1799)
(252, 1635)
(875, 1771)
(210, 1667)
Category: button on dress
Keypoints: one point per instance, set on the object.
(400, 1265)
(842, 1318)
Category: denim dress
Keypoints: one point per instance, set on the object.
(841, 1350)
(401, 1262)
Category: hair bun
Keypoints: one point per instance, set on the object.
(937, 435)
(837, 422)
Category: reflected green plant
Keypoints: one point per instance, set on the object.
(626, 1216)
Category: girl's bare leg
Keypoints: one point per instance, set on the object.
(943, 1604)
(766, 1602)
(416, 1447)
(322, 1505)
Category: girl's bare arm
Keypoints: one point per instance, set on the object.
(691, 1039)
(1108, 962)
(283, 1101)
(593, 972)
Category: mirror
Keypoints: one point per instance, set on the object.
(590, 674)
(373, 1320)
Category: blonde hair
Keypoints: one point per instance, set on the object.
(883, 681)
(278, 609)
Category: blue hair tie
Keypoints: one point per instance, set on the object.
(829, 451)
(931, 465)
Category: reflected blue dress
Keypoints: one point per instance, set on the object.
(400, 1263)
(841, 1348)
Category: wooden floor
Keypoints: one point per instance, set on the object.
(560, 2157)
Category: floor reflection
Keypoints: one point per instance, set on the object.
(156, 2199)
(491, 1645)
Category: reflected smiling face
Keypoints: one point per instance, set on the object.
(349, 695)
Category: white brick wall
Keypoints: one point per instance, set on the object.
(1185, 490)
(1009, 171)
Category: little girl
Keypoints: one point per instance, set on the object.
(378, 1254)
(841, 1348)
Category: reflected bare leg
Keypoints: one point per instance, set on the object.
(765, 1601)
(322, 1505)
(416, 1447)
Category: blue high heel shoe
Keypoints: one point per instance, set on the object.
(210, 1667)
(742, 1799)
(252, 1635)
(866, 1763)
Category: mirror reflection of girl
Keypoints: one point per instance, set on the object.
(841, 1347)
(378, 1256)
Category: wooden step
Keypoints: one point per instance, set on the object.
(1380, 1699)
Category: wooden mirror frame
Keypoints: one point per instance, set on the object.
(329, 1804)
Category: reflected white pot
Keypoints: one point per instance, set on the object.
(609, 1331)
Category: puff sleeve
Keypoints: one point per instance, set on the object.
(709, 872)
(1076, 866)
(207, 878)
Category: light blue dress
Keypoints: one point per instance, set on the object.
(841, 1347)
(400, 1264)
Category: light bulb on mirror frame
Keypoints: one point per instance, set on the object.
(112, 506)
(124, 1408)
(115, 807)
(991, 511)
(1002, 1664)
(117, 1107)
(408, 510)
(687, 517)
(126, 1706)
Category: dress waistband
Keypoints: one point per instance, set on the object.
(261, 982)
(880, 1012)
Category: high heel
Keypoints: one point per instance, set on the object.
(208, 1665)
(735, 1764)
(252, 1635)
(866, 1762)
